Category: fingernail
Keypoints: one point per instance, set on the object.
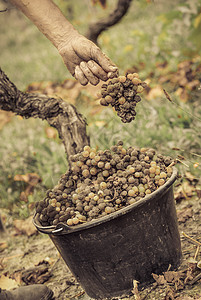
(112, 68)
(82, 64)
(112, 75)
(90, 63)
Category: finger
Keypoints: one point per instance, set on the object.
(71, 60)
(97, 70)
(88, 74)
(102, 59)
(113, 74)
(79, 75)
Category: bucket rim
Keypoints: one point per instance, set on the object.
(62, 228)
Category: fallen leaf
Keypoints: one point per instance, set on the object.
(17, 276)
(198, 193)
(192, 85)
(51, 132)
(154, 93)
(69, 90)
(25, 226)
(135, 290)
(184, 191)
(3, 246)
(160, 279)
(182, 94)
(7, 283)
(5, 117)
(169, 276)
(190, 177)
(184, 214)
(98, 123)
(169, 293)
(37, 275)
(32, 179)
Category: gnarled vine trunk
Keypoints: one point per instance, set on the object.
(70, 124)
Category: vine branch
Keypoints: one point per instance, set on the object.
(113, 18)
(70, 124)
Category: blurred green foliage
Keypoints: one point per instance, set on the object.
(25, 148)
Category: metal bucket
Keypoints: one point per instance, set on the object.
(107, 254)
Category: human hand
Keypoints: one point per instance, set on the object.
(85, 61)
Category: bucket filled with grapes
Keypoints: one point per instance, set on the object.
(112, 217)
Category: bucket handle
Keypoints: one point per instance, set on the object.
(57, 230)
(61, 229)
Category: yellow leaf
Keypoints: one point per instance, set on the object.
(51, 132)
(196, 165)
(7, 283)
(128, 48)
(155, 93)
(98, 123)
(137, 32)
(197, 21)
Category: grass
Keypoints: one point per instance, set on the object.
(27, 56)
(25, 148)
(159, 124)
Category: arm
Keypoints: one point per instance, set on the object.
(84, 59)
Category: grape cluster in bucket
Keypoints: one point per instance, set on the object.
(101, 182)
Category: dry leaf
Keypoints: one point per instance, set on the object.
(69, 90)
(51, 132)
(190, 177)
(192, 85)
(7, 283)
(154, 93)
(3, 246)
(25, 226)
(169, 276)
(32, 179)
(169, 294)
(17, 276)
(184, 191)
(198, 193)
(135, 290)
(160, 279)
(98, 123)
(5, 117)
(182, 93)
(184, 214)
(37, 275)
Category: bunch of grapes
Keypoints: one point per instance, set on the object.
(122, 94)
(102, 182)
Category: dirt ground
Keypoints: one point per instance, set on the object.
(28, 257)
